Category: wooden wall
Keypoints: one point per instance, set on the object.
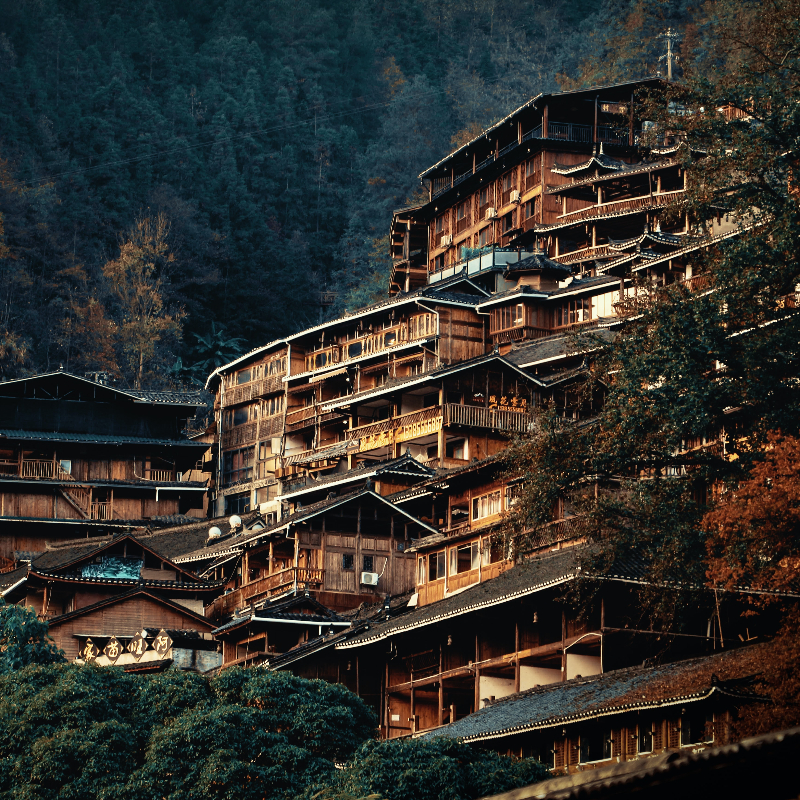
(121, 619)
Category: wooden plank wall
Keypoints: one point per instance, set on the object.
(122, 619)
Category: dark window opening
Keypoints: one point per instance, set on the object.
(369, 564)
(347, 560)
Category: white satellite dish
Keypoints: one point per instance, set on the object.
(214, 533)
(235, 521)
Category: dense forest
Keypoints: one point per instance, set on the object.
(183, 180)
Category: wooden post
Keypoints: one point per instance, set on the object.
(545, 121)
(516, 658)
(563, 645)
(271, 564)
(246, 567)
(413, 718)
(441, 686)
(477, 674)
(630, 123)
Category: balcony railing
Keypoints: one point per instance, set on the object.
(299, 418)
(620, 206)
(492, 418)
(271, 584)
(265, 587)
(34, 468)
(425, 415)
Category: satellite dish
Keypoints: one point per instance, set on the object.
(214, 533)
(235, 521)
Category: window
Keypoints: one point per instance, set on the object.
(484, 200)
(509, 181)
(462, 216)
(595, 745)
(420, 570)
(485, 237)
(264, 450)
(66, 466)
(369, 564)
(436, 566)
(347, 560)
(646, 737)
(697, 727)
(508, 222)
(491, 550)
(241, 415)
(354, 350)
(438, 263)
(276, 366)
(519, 314)
(440, 224)
(574, 311)
(530, 208)
(273, 405)
(237, 466)
(486, 505)
(237, 503)
(464, 558)
(455, 449)
(243, 376)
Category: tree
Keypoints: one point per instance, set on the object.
(752, 529)
(24, 639)
(148, 330)
(721, 365)
(435, 768)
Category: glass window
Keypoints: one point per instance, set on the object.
(595, 745)
(420, 570)
(66, 466)
(486, 505)
(347, 560)
(464, 558)
(436, 566)
(243, 376)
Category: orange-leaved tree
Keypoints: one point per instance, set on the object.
(754, 529)
(148, 329)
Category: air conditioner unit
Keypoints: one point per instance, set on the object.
(515, 195)
(369, 578)
(491, 213)
(446, 240)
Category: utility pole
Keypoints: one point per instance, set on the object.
(670, 55)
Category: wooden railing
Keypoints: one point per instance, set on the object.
(561, 530)
(299, 417)
(161, 475)
(101, 510)
(242, 434)
(423, 415)
(248, 391)
(306, 577)
(494, 419)
(617, 206)
(34, 468)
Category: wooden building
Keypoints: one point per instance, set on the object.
(587, 723)
(79, 458)
(343, 551)
(98, 599)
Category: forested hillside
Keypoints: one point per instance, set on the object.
(177, 169)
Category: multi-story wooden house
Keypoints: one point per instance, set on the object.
(113, 603)
(82, 458)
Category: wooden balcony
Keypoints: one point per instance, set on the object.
(491, 418)
(299, 418)
(265, 587)
(620, 206)
(249, 391)
(422, 419)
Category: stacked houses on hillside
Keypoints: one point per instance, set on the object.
(356, 485)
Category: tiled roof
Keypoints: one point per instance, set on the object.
(10, 578)
(526, 578)
(282, 610)
(612, 692)
(364, 470)
(97, 438)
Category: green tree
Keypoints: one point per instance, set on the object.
(24, 639)
(433, 768)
